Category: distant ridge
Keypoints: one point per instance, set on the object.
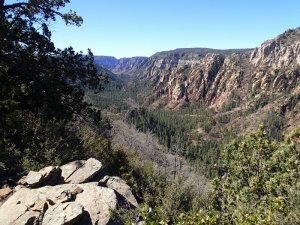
(107, 62)
(202, 51)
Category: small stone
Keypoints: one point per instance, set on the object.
(5, 192)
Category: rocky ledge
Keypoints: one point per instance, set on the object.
(77, 193)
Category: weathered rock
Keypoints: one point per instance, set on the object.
(31, 204)
(16, 210)
(80, 171)
(282, 51)
(70, 203)
(30, 218)
(33, 178)
(46, 176)
(18, 187)
(190, 75)
(120, 186)
(98, 202)
(40, 206)
(5, 192)
(215, 77)
(34, 215)
(61, 193)
(63, 214)
(68, 169)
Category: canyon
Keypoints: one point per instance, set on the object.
(259, 79)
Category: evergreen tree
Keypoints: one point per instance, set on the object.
(41, 95)
(259, 181)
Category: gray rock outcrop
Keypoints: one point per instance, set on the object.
(98, 202)
(120, 187)
(65, 213)
(46, 176)
(80, 171)
(71, 200)
(282, 51)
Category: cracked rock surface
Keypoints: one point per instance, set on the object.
(75, 198)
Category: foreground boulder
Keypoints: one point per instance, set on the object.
(98, 202)
(67, 203)
(68, 169)
(121, 188)
(16, 210)
(81, 171)
(46, 176)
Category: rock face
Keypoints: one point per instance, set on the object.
(108, 62)
(279, 52)
(182, 76)
(213, 77)
(63, 204)
(129, 65)
(120, 66)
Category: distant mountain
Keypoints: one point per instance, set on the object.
(199, 51)
(130, 65)
(264, 78)
(119, 66)
(108, 62)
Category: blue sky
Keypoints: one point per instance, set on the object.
(125, 28)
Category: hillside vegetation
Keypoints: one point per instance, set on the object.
(206, 128)
(241, 169)
(201, 136)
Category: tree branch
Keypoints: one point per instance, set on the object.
(12, 6)
(49, 10)
(22, 4)
(46, 10)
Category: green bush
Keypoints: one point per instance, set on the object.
(259, 181)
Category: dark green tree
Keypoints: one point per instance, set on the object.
(41, 87)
